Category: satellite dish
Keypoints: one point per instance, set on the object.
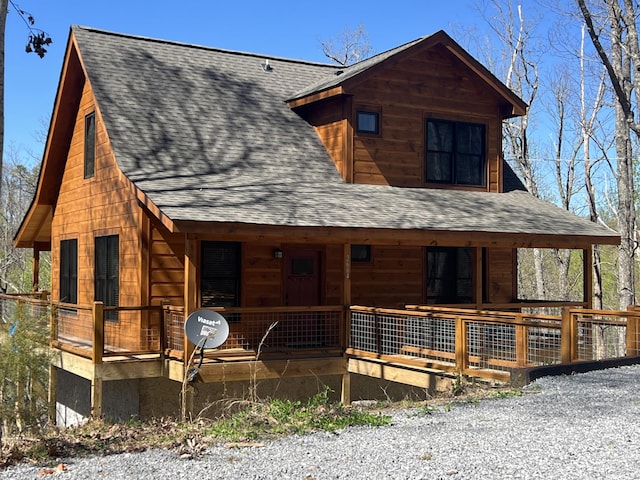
(206, 329)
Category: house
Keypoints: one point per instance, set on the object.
(187, 177)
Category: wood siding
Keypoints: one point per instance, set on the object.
(429, 84)
(103, 204)
(166, 266)
(329, 118)
(393, 278)
(501, 275)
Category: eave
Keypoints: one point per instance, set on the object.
(380, 236)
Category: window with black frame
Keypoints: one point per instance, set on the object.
(449, 275)
(455, 153)
(69, 271)
(89, 144)
(220, 274)
(107, 273)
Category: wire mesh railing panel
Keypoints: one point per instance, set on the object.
(388, 333)
(430, 337)
(283, 330)
(601, 338)
(363, 332)
(132, 330)
(74, 326)
(491, 345)
(544, 346)
(174, 330)
(35, 315)
(268, 330)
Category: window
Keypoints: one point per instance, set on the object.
(69, 271)
(220, 274)
(89, 144)
(455, 153)
(449, 275)
(107, 276)
(360, 253)
(367, 122)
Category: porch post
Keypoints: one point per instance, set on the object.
(479, 278)
(98, 351)
(587, 275)
(191, 258)
(36, 267)
(52, 394)
(346, 301)
(190, 286)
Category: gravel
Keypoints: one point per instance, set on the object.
(579, 426)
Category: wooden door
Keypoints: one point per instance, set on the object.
(302, 276)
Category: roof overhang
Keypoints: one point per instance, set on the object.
(381, 236)
(36, 224)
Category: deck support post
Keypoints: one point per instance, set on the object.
(52, 398)
(96, 395)
(191, 257)
(346, 388)
(98, 351)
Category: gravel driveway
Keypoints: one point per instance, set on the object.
(584, 426)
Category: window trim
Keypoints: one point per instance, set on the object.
(369, 112)
(89, 145)
(454, 153)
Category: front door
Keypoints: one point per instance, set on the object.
(302, 276)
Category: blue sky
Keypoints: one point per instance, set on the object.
(291, 29)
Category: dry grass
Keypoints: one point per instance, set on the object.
(189, 439)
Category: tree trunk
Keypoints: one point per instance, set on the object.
(4, 5)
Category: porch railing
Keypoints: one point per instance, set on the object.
(268, 330)
(491, 344)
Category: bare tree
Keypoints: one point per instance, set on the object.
(611, 25)
(349, 47)
(522, 76)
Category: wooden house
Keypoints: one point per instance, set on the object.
(190, 177)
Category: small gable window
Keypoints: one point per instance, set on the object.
(455, 153)
(89, 144)
(368, 122)
(361, 253)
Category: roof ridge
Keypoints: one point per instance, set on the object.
(203, 47)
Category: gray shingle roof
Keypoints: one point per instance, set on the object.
(207, 135)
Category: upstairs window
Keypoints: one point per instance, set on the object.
(449, 275)
(107, 273)
(69, 271)
(89, 144)
(367, 122)
(455, 153)
(220, 274)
